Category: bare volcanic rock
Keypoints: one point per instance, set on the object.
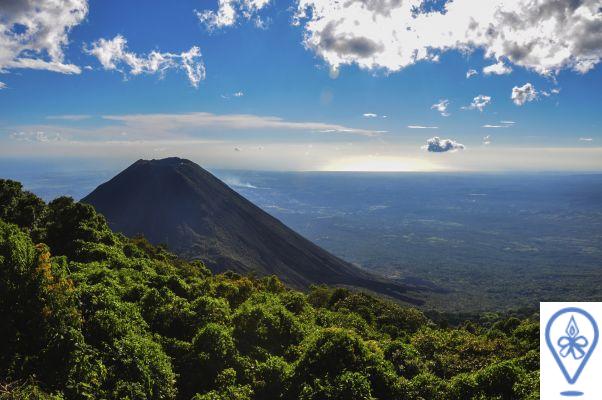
(175, 202)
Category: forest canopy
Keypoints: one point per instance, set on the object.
(91, 314)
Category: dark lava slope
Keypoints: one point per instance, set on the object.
(177, 203)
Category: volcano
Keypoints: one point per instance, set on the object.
(177, 203)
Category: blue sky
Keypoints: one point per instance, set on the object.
(289, 95)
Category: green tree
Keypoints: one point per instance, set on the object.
(19, 207)
(68, 225)
(265, 325)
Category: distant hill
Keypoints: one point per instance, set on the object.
(176, 202)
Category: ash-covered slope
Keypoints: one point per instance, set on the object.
(178, 203)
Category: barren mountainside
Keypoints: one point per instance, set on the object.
(175, 202)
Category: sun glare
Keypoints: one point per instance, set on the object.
(381, 164)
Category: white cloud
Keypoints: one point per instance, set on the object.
(498, 68)
(470, 73)
(235, 94)
(224, 16)
(550, 93)
(441, 107)
(173, 123)
(113, 55)
(544, 35)
(70, 117)
(2, 85)
(523, 94)
(34, 34)
(236, 182)
(478, 103)
(487, 140)
(438, 145)
(422, 127)
(507, 122)
(192, 63)
(586, 139)
(178, 129)
(40, 137)
(369, 115)
(262, 23)
(229, 11)
(494, 126)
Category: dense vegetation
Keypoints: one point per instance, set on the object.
(89, 314)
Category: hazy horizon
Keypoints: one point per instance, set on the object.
(398, 223)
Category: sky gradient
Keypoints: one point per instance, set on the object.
(309, 85)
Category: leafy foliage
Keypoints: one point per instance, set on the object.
(88, 313)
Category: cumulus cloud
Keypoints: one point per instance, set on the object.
(487, 140)
(545, 36)
(40, 137)
(34, 34)
(498, 68)
(438, 145)
(441, 107)
(422, 127)
(470, 73)
(114, 55)
(478, 103)
(2, 85)
(369, 115)
(229, 11)
(523, 94)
